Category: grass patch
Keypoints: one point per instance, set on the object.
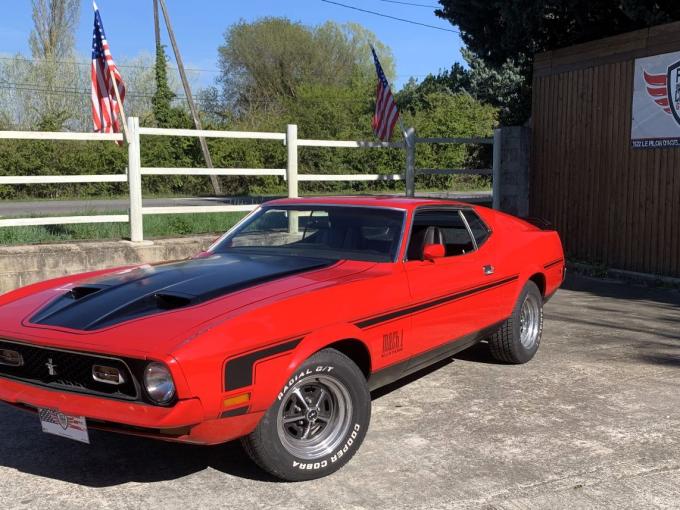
(160, 225)
(155, 226)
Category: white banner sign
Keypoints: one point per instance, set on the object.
(656, 102)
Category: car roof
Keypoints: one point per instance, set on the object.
(387, 201)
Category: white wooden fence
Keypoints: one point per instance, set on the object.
(135, 170)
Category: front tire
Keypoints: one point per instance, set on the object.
(317, 422)
(517, 340)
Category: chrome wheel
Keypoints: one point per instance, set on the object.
(530, 321)
(315, 417)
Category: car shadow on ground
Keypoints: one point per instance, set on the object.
(608, 288)
(478, 353)
(112, 459)
(115, 459)
(647, 318)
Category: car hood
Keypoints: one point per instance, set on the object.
(150, 308)
(110, 300)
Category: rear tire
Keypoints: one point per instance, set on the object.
(317, 422)
(517, 340)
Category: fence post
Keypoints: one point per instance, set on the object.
(292, 161)
(135, 182)
(292, 174)
(496, 171)
(410, 176)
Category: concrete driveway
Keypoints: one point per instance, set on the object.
(592, 422)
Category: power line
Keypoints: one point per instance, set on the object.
(392, 17)
(30, 87)
(148, 68)
(88, 64)
(412, 5)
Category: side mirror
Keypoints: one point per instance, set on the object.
(433, 251)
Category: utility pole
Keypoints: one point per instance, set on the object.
(187, 90)
(156, 23)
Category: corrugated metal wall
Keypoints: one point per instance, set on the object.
(611, 204)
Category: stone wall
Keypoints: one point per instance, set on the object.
(22, 265)
(513, 189)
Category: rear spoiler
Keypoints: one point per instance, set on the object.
(541, 223)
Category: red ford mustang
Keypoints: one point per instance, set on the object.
(277, 333)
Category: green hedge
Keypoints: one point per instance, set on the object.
(440, 115)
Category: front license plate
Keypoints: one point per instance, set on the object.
(59, 424)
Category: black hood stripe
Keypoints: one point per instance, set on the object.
(149, 290)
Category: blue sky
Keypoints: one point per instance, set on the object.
(200, 25)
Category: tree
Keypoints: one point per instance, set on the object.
(51, 42)
(266, 63)
(53, 24)
(503, 87)
(25, 100)
(499, 86)
(162, 99)
(510, 32)
(498, 30)
(443, 114)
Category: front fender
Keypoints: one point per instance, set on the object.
(273, 374)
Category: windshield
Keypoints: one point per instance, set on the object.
(333, 232)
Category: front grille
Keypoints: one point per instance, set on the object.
(71, 371)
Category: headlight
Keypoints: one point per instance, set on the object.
(158, 383)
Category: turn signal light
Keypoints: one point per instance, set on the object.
(107, 375)
(237, 399)
(11, 358)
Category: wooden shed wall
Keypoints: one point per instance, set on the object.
(612, 204)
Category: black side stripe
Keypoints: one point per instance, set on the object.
(234, 412)
(431, 304)
(238, 372)
(401, 369)
(553, 263)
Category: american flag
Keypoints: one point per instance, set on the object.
(386, 114)
(65, 422)
(106, 112)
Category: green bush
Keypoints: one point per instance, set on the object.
(339, 117)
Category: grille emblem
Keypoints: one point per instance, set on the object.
(51, 367)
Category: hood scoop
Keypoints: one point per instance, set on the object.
(148, 290)
(77, 293)
(169, 301)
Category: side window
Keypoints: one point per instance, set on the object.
(439, 227)
(479, 230)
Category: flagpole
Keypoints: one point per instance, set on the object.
(410, 148)
(410, 174)
(402, 127)
(120, 104)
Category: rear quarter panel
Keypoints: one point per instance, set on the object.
(523, 249)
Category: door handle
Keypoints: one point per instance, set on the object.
(488, 269)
